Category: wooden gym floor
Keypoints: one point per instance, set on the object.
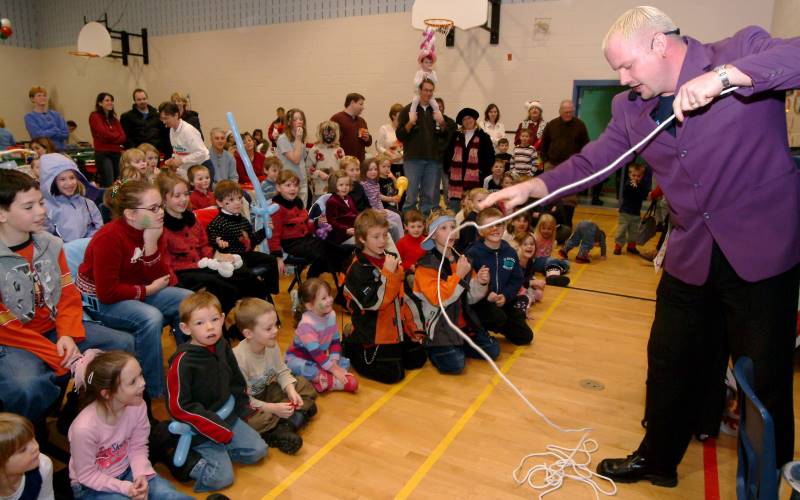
(436, 436)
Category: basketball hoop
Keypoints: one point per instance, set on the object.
(81, 53)
(440, 25)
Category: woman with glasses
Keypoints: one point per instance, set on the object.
(125, 280)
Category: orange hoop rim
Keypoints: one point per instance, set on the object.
(81, 53)
(441, 25)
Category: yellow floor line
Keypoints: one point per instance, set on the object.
(445, 443)
(338, 438)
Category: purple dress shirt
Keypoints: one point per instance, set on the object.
(728, 174)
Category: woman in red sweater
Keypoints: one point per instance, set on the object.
(125, 278)
(108, 139)
(256, 159)
(187, 243)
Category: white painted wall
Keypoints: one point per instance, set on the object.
(313, 64)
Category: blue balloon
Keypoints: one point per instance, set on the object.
(262, 208)
(185, 431)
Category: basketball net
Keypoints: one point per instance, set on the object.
(440, 25)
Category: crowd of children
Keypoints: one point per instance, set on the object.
(169, 245)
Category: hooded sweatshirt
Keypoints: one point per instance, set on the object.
(504, 269)
(68, 217)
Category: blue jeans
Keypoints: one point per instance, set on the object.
(450, 359)
(310, 369)
(540, 264)
(424, 178)
(158, 488)
(583, 235)
(145, 320)
(29, 387)
(215, 470)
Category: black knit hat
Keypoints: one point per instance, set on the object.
(467, 112)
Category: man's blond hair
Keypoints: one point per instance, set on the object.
(634, 20)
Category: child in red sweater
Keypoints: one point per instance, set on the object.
(292, 231)
(187, 243)
(202, 196)
(410, 245)
(125, 279)
(340, 209)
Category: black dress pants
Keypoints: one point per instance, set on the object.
(758, 321)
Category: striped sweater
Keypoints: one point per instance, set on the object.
(316, 339)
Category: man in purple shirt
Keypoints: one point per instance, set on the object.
(731, 271)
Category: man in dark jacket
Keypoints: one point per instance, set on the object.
(419, 133)
(142, 124)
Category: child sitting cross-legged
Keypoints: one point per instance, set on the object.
(461, 288)
(315, 352)
(200, 178)
(283, 403)
(108, 439)
(203, 375)
(293, 232)
(532, 288)
(231, 233)
(500, 311)
(410, 246)
(378, 348)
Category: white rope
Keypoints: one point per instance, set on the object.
(565, 465)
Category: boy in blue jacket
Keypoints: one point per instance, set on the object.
(503, 309)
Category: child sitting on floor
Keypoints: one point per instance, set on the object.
(315, 352)
(108, 439)
(283, 403)
(378, 348)
(525, 245)
(500, 311)
(554, 269)
(203, 375)
(461, 288)
(202, 196)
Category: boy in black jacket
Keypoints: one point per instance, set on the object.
(203, 375)
(634, 192)
(503, 309)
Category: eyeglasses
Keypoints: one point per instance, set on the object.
(676, 31)
(155, 208)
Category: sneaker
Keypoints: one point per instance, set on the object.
(582, 259)
(284, 438)
(617, 249)
(557, 280)
(352, 383)
(563, 254)
(597, 202)
(323, 382)
(631, 249)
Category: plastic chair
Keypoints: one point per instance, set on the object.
(757, 472)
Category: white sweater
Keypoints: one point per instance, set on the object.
(187, 144)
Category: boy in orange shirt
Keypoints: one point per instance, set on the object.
(41, 325)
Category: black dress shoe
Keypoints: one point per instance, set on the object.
(635, 468)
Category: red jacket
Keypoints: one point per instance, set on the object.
(186, 242)
(258, 167)
(410, 250)
(341, 214)
(108, 137)
(114, 267)
(289, 222)
(200, 200)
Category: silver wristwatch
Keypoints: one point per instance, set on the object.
(722, 72)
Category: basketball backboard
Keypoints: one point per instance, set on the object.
(94, 38)
(465, 14)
